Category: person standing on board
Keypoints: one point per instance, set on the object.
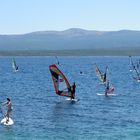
(104, 76)
(8, 104)
(107, 88)
(73, 87)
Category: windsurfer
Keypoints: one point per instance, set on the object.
(104, 79)
(17, 68)
(73, 87)
(104, 76)
(8, 104)
(81, 72)
(107, 88)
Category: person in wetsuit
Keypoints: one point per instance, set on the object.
(73, 87)
(107, 88)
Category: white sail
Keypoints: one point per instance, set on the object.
(14, 65)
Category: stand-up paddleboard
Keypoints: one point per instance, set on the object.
(10, 122)
(69, 99)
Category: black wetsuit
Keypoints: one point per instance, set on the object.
(73, 91)
(107, 88)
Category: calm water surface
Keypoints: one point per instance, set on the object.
(40, 114)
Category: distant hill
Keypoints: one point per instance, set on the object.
(72, 39)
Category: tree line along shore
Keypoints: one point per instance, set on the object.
(82, 52)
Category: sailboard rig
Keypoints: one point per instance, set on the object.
(104, 78)
(14, 65)
(61, 83)
(131, 64)
(57, 60)
(101, 76)
(134, 69)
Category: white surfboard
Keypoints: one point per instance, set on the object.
(10, 122)
(110, 94)
(69, 99)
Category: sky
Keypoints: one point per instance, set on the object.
(24, 16)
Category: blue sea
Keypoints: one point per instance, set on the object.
(40, 114)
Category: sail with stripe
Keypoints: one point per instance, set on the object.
(101, 76)
(104, 78)
(14, 65)
(61, 83)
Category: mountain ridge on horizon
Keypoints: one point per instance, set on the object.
(71, 29)
(73, 38)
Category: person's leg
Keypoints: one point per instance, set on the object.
(8, 116)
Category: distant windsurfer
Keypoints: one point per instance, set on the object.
(8, 104)
(81, 72)
(17, 68)
(73, 87)
(107, 88)
(104, 76)
(138, 64)
(57, 60)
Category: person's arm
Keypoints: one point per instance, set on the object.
(5, 103)
(8, 103)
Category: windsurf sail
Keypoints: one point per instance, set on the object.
(136, 74)
(134, 69)
(104, 78)
(138, 64)
(131, 64)
(14, 65)
(57, 60)
(61, 84)
(101, 76)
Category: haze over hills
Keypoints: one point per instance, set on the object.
(72, 39)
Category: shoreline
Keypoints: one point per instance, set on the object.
(95, 52)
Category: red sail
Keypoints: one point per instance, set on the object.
(61, 84)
